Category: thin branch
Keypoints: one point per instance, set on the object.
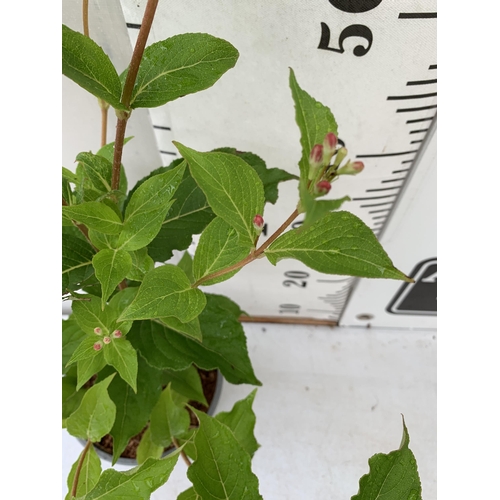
(79, 468)
(252, 256)
(85, 12)
(183, 454)
(104, 121)
(128, 87)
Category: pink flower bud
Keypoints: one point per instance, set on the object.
(358, 166)
(329, 145)
(316, 156)
(106, 340)
(97, 331)
(98, 346)
(117, 334)
(258, 222)
(322, 188)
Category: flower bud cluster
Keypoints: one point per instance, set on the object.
(322, 172)
(106, 339)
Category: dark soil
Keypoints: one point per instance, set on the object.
(208, 383)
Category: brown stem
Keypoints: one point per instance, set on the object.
(252, 256)
(79, 468)
(183, 454)
(85, 12)
(128, 87)
(104, 121)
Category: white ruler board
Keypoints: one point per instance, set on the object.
(372, 62)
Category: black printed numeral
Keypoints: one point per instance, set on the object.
(355, 30)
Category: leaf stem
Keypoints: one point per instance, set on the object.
(104, 121)
(85, 12)
(128, 87)
(79, 468)
(254, 255)
(183, 454)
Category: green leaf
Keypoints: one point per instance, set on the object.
(95, 215)
(98, 169)
(111, 267)
(186, 382)
(189, 494)
(180, 65)
(85, 350)
(169, 418)
(316, 209)
(393, 476)
(96, 414)
(186, 264)
(76, 261)
(270, 177)
(190, 328)
(148, 449)
(72, 335)
(224, 343)
(233, 189)
(120, 354)
(89, 474)
(340, 243)
(222, 469)
(241, 421)
(84, 62)
(108, 152)
(189, 214)
(89, 315)
(135, 484)
(165, 291)
(314, 120)
(88, 367)
(71, 396)
(102, 241)
(69, 175)
(67, 194)
(217, 249)
(142, 263)
(133, 409)
(147, 208)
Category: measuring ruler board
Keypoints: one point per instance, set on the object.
(372, 62)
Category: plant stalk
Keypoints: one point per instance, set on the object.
(104, 121)
(183, 454)
(79, 468)
(254, 255)
(85, 16)
(128, 87)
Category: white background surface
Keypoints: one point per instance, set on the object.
(331, 398)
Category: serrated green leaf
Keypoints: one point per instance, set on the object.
(88, 367)
(222, 469)
(223, 347)
(218, 249)
(135, 484)
(133, 409)
(165, 291)
(95, 215)
(142, 263)
(72, 335)
(89, 474)
(67, 194)
(180, 65)
(69, 175)
(233, 189)
(84, 62)
(241, 420)
(111, 267)
(393, 476)
(102, 241)
(71, 396)
(186, 382)
(98, 169)
(84, 350)
(120, 354)
(169, 418)
(190, 328)
(96, 414)
(314, 120)
(76, 261)
(340, 243)
(189, 494)
(270, 177)
(147, 208)
(188, 215)
(148, 449)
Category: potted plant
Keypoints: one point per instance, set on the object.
(141, 332)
